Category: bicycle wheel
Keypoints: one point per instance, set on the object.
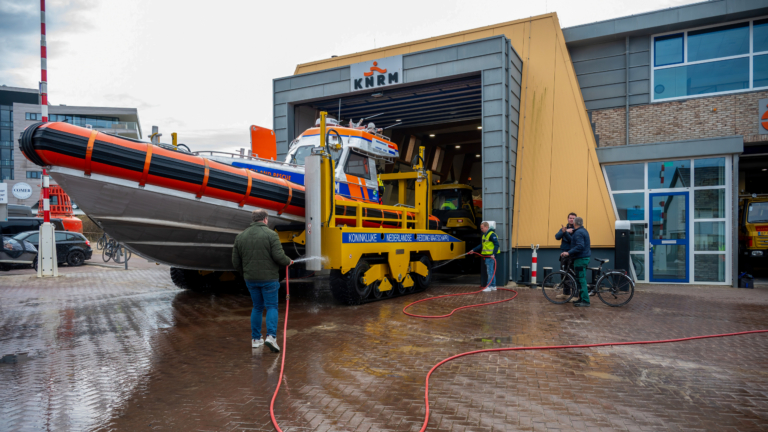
(101, 243)
(558, 287)
(615, 288)
(121, 254)
(106, 253)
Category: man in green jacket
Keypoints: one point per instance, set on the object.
(258, 256)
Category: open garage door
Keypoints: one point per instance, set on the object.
(461, 102)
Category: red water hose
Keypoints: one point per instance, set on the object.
(434, 368)
(462, 294)
(285, 335)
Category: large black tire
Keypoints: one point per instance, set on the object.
(420, 282)
(348, 288)
(189, 279)
(76, 258)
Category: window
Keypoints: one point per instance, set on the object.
(33, 116)
(706, 184)
(710, 60)
(357, 165)
(34, 174)
(626, 177)
(60, 237)
(672, 174)
(6, 173)
(758, 212)
(668, 50)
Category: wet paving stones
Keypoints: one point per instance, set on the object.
(126, 350)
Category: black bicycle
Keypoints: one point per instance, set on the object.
(115, 251)
(614, 287)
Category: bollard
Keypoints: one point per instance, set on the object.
(525, 275)
(534, 260)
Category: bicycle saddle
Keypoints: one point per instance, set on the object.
(601, 260)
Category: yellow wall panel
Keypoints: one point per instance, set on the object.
(423, 46)
(450, 40)
(557, 167)
(534, 159)
(475, 35)
(568, 190)
(600, 219)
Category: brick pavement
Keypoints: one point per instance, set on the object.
(114, 350)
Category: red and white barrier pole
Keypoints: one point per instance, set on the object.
(534, 261)
(43, 65)
(46, 199)
(47, 265)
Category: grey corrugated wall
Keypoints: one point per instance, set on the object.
(602, 71)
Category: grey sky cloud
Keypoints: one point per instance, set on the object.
(205, 70)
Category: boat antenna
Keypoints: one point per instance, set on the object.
(393, 125)
(366, 118)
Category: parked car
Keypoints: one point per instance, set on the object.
(15, 253)
(71, 248)
(16, 225)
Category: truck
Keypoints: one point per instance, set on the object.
(753, 230)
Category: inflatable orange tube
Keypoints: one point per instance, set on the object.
(65, 145)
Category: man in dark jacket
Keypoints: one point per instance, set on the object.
(564, 235)
(580, 253)
(258, 256)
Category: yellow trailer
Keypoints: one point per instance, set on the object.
(371, 263)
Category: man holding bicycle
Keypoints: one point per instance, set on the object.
(564, 235)
(580, 253)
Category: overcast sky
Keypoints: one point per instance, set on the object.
(204, 69)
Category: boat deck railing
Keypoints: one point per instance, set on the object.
(215, 153)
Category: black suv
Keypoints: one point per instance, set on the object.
(71, 247)
(16, 225)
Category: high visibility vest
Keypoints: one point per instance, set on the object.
(380, 182)
(488, 244)
(447, 206)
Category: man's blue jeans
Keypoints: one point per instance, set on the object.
(264, 295)
(489, 265)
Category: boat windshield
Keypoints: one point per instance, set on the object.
(304, 151)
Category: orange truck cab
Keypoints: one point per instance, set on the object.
(61, 208)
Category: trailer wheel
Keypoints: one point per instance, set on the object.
(188, 279)
(422, 282)
(349, 288)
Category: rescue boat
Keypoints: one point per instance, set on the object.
(184, 209)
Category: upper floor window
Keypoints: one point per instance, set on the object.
(718, 59)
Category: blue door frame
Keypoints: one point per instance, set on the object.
(652, 242)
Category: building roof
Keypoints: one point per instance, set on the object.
(664, 20)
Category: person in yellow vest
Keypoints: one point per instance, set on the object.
(381, 190)
(488, 248)
(449, 204)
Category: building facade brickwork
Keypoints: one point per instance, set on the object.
(706, 117)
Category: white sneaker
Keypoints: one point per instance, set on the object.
(256, 343)
(488, 289)
(493, 288)
(271, 343)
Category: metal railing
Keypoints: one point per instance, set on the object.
(240, 156)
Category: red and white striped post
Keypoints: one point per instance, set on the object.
(46, 199)
(534, 261)
(43, 65)
(46, 255)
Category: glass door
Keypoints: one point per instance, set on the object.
(668, 241)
